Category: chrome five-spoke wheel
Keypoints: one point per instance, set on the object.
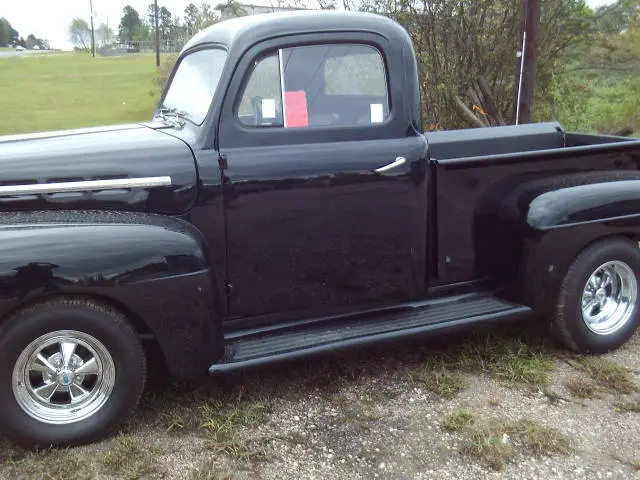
(609, 298)
(63, 377)
(74, 371)
(598, 304)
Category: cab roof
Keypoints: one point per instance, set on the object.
(245, 31)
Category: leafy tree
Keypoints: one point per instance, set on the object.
(32, 41)
(458, 41)
(80, 34)
(236, 9)
(129, 24)
(144, 33)
(206, 17)
(8, 34)
(104, 34)
(191, 14)
(165, 23)
(596, 85)
(616, 17)
(151, 15)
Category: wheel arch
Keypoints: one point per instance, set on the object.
(547, 259)
(153, 269)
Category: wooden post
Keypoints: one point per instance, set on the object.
(93, 35)
(529, 65)
(157, 35)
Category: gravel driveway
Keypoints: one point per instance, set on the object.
(491, 404)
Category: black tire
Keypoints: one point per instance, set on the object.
(570, 326)
(125, 361)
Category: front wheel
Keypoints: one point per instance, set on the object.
(598, 307)
(74, 370)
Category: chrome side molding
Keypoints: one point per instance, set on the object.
(85, 186)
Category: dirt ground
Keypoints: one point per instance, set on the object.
(494, 403)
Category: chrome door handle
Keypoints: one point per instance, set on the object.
(396, 163)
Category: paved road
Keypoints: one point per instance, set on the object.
(13, 53)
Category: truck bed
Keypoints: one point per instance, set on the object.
(474, 169)
(513, 140)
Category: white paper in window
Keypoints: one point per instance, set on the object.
(268, 108)
(377, 113)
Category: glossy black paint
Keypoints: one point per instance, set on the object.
(297, 225)
(115, 152)
(485, 204)
(155, 267)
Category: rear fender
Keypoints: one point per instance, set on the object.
(154, 266)
(530, 237)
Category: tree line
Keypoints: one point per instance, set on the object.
(136, 27)
(588, 60)
(9, 37)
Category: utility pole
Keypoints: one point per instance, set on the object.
(157, 35)
(93, 35)
(529, 63)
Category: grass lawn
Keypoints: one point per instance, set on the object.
(70, 90)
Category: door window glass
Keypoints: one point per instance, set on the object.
(334, 85)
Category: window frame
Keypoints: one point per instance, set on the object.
(238, 98)
(174, 70)
(231, 133)
(278, 53)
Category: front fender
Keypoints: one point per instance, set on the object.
(153, 266)
(528, 236)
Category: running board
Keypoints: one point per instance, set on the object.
(261, 348)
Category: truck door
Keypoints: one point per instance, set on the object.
(325, 187)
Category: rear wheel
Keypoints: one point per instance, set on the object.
(598, 308)
(75, 370)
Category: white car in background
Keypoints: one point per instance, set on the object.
(20, 48)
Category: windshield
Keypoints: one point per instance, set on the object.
(195, 82)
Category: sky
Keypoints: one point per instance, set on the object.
(49, 19)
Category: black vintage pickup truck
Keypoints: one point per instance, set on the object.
(284, 202)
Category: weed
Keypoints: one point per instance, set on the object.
(538, 439)
(496, 443)
(608, 374)
(179, 418)
(223, 424)
(627, 407)
(511, 361)
(442, 382)
(554, 397)
(581, 388)
(490, 447)
(208, 470)
(457, 420)
(132, 459)
(50, 465)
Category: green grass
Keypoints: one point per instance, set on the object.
(609, 375)
(131, 459)
(627, 407)
(224, 424)
(208, 470)
(442, 381)
(457, 420)
(511, 361)
(70, 90)
(51, 465)
(496, 443)
(581, 388)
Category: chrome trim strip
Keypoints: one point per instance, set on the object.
(82, 186)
